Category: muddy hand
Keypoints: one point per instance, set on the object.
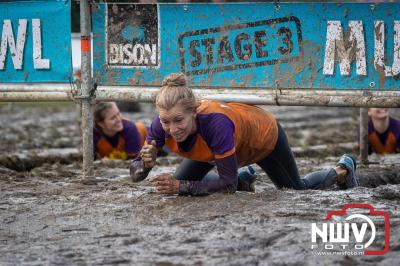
(149, 154)
(165, 184)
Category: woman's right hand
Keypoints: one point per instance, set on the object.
(149, 154)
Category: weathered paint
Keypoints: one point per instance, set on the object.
(299, 45)
(35, 41)
(336, 45)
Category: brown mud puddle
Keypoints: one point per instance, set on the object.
(47, 217)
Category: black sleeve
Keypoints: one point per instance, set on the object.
(227, 181)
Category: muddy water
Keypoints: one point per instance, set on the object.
(47, 217)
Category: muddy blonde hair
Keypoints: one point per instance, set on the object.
(174, 91)
(99, 111)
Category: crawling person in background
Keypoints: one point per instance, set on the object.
(114, 137)
(383, 132)
(228, 136)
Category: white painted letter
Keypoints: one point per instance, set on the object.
(7, 37)
(138, 53)
(113, 54)
(38, 62)
(335, 41)
(150, 53)
(127, 49)
(379, 52)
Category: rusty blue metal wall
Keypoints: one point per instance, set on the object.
(35, 41)
(298, 45)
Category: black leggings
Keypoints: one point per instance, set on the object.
(279, 165)
(282, 168)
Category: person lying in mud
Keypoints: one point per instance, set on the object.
(228, 136)
(114, 137)
(383, 132)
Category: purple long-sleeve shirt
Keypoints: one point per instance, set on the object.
(217, 132)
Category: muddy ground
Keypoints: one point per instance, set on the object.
(49, 218)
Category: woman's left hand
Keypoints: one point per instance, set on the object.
(165, 184)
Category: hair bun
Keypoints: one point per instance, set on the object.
(175, 80)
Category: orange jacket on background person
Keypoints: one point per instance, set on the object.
(125, 144)
(386, 142)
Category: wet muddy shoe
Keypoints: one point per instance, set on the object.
(246, 178)
(348, 162)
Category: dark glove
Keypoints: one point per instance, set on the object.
(137, 170)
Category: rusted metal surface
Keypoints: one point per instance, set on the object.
(35, 41)
(320, 46)
(86, 92)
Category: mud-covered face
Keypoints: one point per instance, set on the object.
(378, 113)
(178, 122)
(112, 123)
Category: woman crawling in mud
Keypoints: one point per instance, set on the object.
(228, 136)
(115, 137)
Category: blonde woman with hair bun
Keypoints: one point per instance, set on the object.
(226, 135)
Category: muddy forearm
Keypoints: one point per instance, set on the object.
(227, 181)
(199, 188)
(137, 170)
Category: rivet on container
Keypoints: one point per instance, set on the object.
(372, 84)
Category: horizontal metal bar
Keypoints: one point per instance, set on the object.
(259, 91)
(305, 97)
(36, 87)
(35, 96)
